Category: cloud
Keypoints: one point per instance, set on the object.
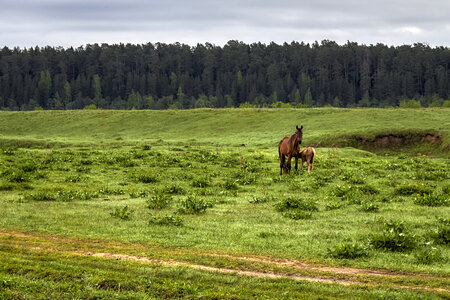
(27, 23)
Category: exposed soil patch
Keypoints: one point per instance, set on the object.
(390, 140)
(387, 141)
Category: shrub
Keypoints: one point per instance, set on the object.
(428, 256)
(123, 213)
(139, 194)
(28, 167)
(70, 195)
(261, 199)
(193, 205)
(230, 184)
(394, 237)
(111, 191)
(297, 214)
(413, 189)
(159, 200)
(39, 196)
(145, 177)
(201, 182)
(442, 233)
(16, 176)
(166, 220)
(295, 203)
(174, 188)
(353, 178)
(331, 205)
(432, 200)
(348, 250)
(368, 206)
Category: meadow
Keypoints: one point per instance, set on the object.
(137, 204)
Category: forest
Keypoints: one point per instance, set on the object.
(170, 76)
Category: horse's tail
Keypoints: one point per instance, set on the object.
(312, 157)
(279, 151)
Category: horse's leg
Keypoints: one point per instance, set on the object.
(296, 162)
(281, 163)
(289, 163)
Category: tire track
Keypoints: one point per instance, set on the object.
(251, 273)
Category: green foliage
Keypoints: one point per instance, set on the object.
(123, 213)
(201, 181)
(291, 202)
(159, 200)
(369, 206)
(434, 199)
(348, 251)
(230, 184)
(169, 220)
(145, 177)
(193, 204)
(410, 104)
(394, 237)
(413, 189)
(428, 256)
(90, 107)
(174, 188)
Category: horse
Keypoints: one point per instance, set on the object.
(289, 146)
(308, 155)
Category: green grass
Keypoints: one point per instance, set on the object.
(185, 180)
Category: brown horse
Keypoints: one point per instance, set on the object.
(308, 155)
(289, 146)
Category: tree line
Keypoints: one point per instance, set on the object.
(162, 76)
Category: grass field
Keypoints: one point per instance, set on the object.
(190, 203)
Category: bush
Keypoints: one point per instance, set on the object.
(432, 200)
(368, 206)
(174, 188)
(193, 205)
(261, 199)
(297, 214)
(70, 195)
(394, 237)
(159, 200)
(230, 184)
(170, 220)
(428, 256)
(413, 189)
(410, 104)
(16, 176)
(145, 177)
(122, 213)
(441, 235)
(201, 182)
(348, 250)
(39, 196)
(331, 205)
(295, 203)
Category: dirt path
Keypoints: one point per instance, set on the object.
(323, 274)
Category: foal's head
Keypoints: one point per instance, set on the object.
(298, 134)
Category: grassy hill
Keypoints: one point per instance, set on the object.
(142, 204)
(262, 127)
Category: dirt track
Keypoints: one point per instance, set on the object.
(322, 274)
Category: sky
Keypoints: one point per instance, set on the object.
(66, 23)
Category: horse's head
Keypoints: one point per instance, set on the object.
(299, 134)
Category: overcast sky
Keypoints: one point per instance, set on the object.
(27, 23)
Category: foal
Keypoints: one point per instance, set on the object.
(308, 155)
